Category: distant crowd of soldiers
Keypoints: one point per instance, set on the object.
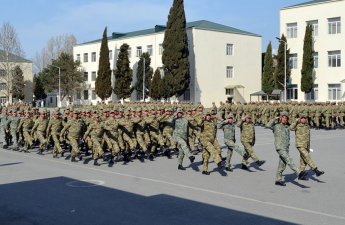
(118, 132)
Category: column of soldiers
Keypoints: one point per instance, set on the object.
(116, 132)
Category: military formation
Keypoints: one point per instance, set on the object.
(118, 132)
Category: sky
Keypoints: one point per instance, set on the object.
(36, 21)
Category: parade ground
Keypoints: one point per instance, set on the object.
(41, 190)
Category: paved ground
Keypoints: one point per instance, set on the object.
(40, 190)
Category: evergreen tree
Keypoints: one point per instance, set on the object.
(267, 84)
(148, 74)
(308, 61)
(123, 74)
(280, 68)
(38, 88)
(175, 54)
(156, 86)
(103, 81)
(18, 84)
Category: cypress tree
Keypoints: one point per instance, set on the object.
(38, 88)
(103, 81)
(267, 77)
(18, 84)
(308, 61)
(175, 54)
(280, 68)
(123, 74)
(148, 74)
(155, 89)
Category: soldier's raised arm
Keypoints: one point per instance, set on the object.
(272, 123)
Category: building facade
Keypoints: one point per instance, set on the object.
(326, 17)
(225, 63)
(7, 64)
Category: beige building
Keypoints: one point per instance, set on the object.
(7, 63)
(225, 62)
(326, 17)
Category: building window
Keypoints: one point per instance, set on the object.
(291, 30)
(93, 57)
(316, 59)
(334, 92)
(2, 73)
(315, 26)
(86, 57)
(229, 72)
(293, 61)
(93, 76)
(139, 51)
(78, 57)
(139, 95)
(186, 95)
(292, 92)
(129, 51)
(86, 94)
(334, 59)
(111, 54)
(229, 91)
(149, 49)
(3, 86)
(86, 76)
(160, 49)
(93, 95)
(334, 25)
(3, 100)
(229, 49)
(78, 95)
(313, 95)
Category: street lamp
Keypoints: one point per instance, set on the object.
(285, 44)
(59, 102)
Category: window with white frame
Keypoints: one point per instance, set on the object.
(2, 73)
(293, 60)
(3, 86)
(129, 51)
(229, 72)
(3, 100)
(313, 95)
(292, 92)
(229, 49)
(93, 57)
(334, 25)
(315, 26)
(86, 76)
(334, 92)
(149, 49)
(86, 94)
(78, 95)
(160, 49)
(334, 59)
(78, 57)
(229, 91)
(291, 30)
(93, 95)
(316, 59)
(110, 54)
(93, 76)
(139, 51)
(86, 57)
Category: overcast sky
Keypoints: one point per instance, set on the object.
(36, 21)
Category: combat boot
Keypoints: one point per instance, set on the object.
(246, 156)
(228, 169)
(303, 175)
(150, 156)
(95, 163)
(219, 165)
(80, 157)
(205, 172)
(55, 156)
(191, 159)
(73, 159)
(260, 162)
(40, 151)
(111, 161)
(244, 167)
(280, 183)
(318, 172)
(180, 167)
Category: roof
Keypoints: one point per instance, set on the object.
(258, 93)
(12, 58)
(314, 2)
(200, 24)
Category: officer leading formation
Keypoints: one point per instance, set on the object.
(120, 133)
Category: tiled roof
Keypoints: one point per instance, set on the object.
(12, 58)
(314, 2)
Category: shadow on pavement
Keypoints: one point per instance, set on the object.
(11, 164)
(61, 200)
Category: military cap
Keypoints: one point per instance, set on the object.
(57, 111)
(76, 111)
(120, 109)
(179, 110)
(207, 112)
(303, 115)
(230, 115)
(284, 114)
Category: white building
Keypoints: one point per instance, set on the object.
(225, 63)
(326, 17)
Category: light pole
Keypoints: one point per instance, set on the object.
(285, 47)
(59, 102)
(143, 79)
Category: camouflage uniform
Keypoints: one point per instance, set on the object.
(53, 130)
(14, 125)
(26, 124)
(39, 131)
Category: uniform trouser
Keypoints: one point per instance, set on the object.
(210, 149)
(183, 148)
(143, 140)
(42, 139)
(169, 140)
(285, 159)
(75, 145)
(341, 120)
(97, 148)
(231, 147)
(14, 139)
(57, 148)
(317, 121)
(113, 144)
(156, 138)
(28, 139)
(328, 121)
(248, 147)
(305, 159)
(4, 139)
(197, 133)
(130, 141)
(191, 139)
(121, 141)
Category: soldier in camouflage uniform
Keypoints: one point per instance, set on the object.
(53, 130)
(26, 125)
(302, 130)
(14, 124)
(4, 135)
(39, 130)
(281, 132)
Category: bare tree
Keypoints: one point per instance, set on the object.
(55, 46)
(11, 54)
